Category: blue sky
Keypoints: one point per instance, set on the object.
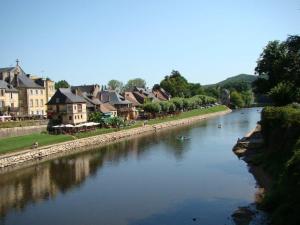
(93, 41)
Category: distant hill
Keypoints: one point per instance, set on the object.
(238, 80)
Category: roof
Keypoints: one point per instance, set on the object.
(113, 98)
(24, 81)
(6, 69)
(130, 97)
(8, 87)
(106, 107)
(88, 89)
(65, 96)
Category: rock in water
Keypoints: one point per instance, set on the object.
(242, 216)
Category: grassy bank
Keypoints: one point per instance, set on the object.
(281, 159)
(25, 142)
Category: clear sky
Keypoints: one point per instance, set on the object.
(93, 41)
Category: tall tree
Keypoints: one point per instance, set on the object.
(116, 85)
(176, 85)
(279, 63)
(137, 82)
(61, 84)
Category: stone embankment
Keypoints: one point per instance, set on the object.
(13, 159)
(19, 131)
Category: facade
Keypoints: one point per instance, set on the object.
(33, 93)
(9, 99)
(67, 108)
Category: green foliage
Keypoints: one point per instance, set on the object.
(152, 107)
(176, 85)
(115, 85)
(212, 91)
(279, 63)
(137, 82)
(61, 84)
(247, 97)
(195, 89)
(281, 159)
(284, 93)
(178, 102)
(236, 99)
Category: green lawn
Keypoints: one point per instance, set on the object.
(195, 112)
(25, 142)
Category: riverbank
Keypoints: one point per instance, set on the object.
(275, 162)
(12, 159)
(247, 149)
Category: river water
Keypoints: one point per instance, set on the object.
(153, 179)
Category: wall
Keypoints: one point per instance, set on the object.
(19, 131)
(15, 158)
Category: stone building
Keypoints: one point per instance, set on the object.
(67, 108)
(9, 99)
(33, 93)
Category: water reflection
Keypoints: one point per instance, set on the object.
(151, 179)
(45, 181)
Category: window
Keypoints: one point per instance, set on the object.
(31, 103)
(11, 95)
(37, 92)
(31, 92)
(57, 100)
(41, 92)
(81, 116)
(37, 112)
(79, 107)
(36, 102)
(42, 102)
(70, 117)
(32, 113)
(69, 108)
(42, 112)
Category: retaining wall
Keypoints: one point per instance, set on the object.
(12, 159)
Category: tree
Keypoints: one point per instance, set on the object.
(284, 93)
(62, 84)
(137, 82)
(279, 62)
(152, 107)
(195, 89)
(236, 99)
(247, 97)
(176, 85)
(115, 85)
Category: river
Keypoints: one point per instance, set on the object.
(153, 179)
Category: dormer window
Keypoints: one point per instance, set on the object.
(57, 100)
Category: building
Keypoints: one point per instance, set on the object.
(124, 107)
(108, 109)
(33, 93)
(9, 99)
(144, 95)
(161, 94)
(90, 94)
(129, 96)
(67, 108)
(225, 97)
(48, 84)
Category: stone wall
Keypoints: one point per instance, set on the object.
(19, 131)
(12, 159)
